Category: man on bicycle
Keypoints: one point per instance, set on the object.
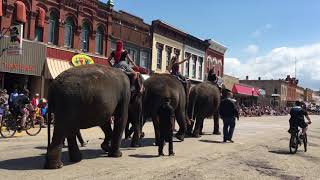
(298, 112)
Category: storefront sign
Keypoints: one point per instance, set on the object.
(15, 43)
(81, 59)
(31, 62)
(14, 67)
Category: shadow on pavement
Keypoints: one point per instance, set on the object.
(282, 152)
(145, 142)
(143, 156)
(37, 162)
(210, 141)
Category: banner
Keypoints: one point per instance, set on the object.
(81, 59)
(15, 43)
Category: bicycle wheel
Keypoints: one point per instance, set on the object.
(8, 127)
(293, 145)
(305, 142)
(33, 127)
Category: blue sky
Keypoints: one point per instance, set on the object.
(250, 29)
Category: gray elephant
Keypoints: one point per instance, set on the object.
(135, 116)
(204, 101)
(161, 89)
(84, 97)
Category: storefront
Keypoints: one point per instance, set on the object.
(23, 71)
(245, 95)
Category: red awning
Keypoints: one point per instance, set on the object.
(1, 8)
(41, 17)
(244, 90)
(21, 12)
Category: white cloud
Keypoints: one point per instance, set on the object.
(279, 63)
(258, 32)
(252, 49)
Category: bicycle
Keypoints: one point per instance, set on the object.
(295, 141)
(9, 125)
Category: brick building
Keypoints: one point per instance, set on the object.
(215, 57)
(136, 37)
(276, 91)
(308, 95)
(292, 92)
(66, 28)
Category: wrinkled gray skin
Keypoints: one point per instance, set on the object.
(159, 89)
(204, 101)
(84, 97)
(135, 117)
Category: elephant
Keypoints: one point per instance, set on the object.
(204, 101)
(135, 116)
(161, 89)
(83, 97)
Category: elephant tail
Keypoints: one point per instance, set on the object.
(166, 112)
(191, 104)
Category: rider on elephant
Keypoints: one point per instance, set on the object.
(174, 67)
(120, 56)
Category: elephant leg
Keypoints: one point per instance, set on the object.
(135, 142)
(196, 131)
(120, 122)
(160, 145)
(216, 124)
(201, 128)
(127, 131)
(107, 130)
(189, 128)
(53, 156)
(156, 127)
(74, 152)
(181, 120)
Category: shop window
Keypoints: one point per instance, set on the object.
(68, 32)
(53, 29)
(85, 37)
(99, 40)
(39, 34)
(194, 67)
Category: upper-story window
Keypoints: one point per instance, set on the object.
(68, 32)
(168, 56)
(159, 55)
(186, 71)
(194, 67)
(85, 36)
(39, 34)
(200, 68)
(99, 40)
(53, 28)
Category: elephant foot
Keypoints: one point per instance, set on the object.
(196, 135)
(216, 133)
(53, 164)
(171, 154)
(201, 133)
(115, 154)
(75, 157)
(105, 147)
(160, 154)
(180, 137)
